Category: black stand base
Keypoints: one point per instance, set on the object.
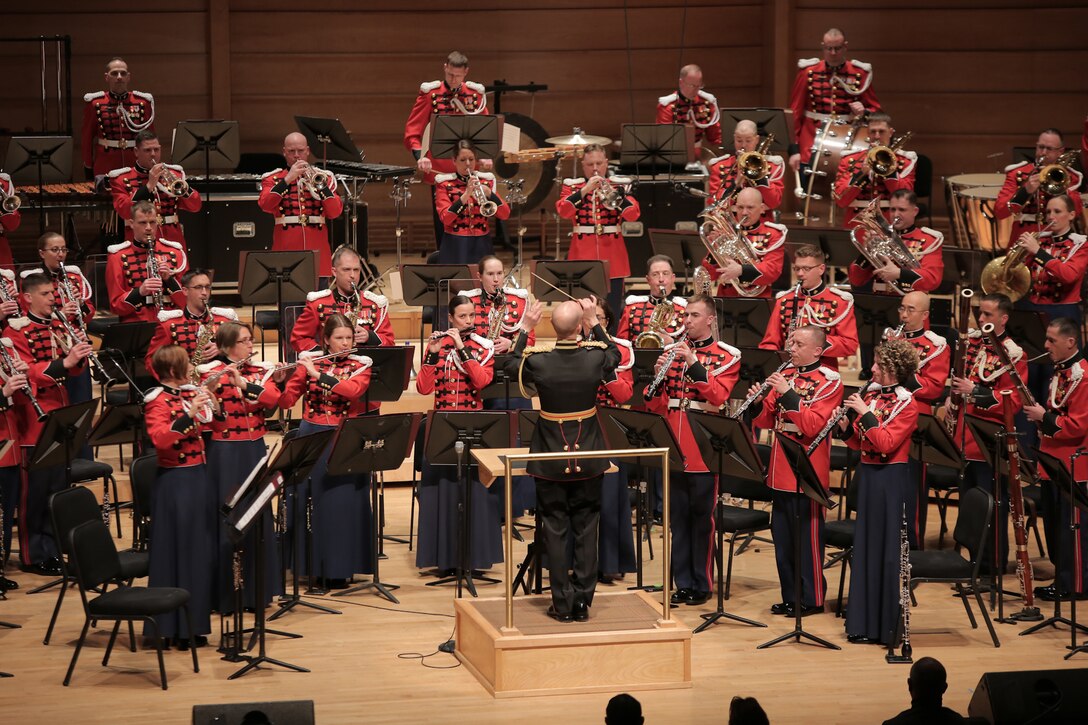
(466, 578)
(1027, 614)
(295, 600)
(384, 590)
(530, 574)
(1054, 622)
(255, 662)
(643, 527)
(47, 585)
(720, 612)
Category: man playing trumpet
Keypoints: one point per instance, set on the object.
(303, 200)
(151, 180)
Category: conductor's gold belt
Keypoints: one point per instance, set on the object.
(568, 417)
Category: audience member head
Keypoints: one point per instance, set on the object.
(746, 711)
(927, 681)
(623, 710)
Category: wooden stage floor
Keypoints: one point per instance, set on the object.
(364, 669)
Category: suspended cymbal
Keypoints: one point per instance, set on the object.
(578, 139)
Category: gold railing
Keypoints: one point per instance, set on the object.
(508, 536)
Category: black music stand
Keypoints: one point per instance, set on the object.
(932, 445)
(683, 247)
(422, 285)
(1058, 474)
(530, 576)
(278, 278)
(124, 345)
(756, 365)
(364, 445)
(118, 425)
(39, 160)
(484, 132)
(834, 241)
(720, 439)
(767, 120)
(1028, 328)
(650, 147)
(331, 136)
(215, 142)
(578, 279)
(475, 429)
(742, 322)
(292, 464)
(808, 484)
(873, 314)
(64, 433)
(962, 266)
(631, 430)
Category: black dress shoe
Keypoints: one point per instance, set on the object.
(805, 612)
(580, 613)
(8, 584)
(696, 597)
(200, 641)
(680, 596)
(336, 583)
(861, 639)
(1046, 592)
(559, 616)
(780, 608)
(181, 643)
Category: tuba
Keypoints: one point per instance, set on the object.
(663, 317)
(753, 165)
(875, 237)
(882, 159)
(725, 240)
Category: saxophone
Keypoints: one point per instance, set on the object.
(203, 337)
(153, 267)
(904, 656)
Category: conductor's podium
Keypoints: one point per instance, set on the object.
(631, 642)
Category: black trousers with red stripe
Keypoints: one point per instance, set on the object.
(691, 519)
(785, 507)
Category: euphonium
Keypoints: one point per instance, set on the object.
(875, 237)
(487, 207)
(1054, 178)
(170, 182)
(725, 240)
(753, 165)
(9, 202)
(882, 159)
(663, 316)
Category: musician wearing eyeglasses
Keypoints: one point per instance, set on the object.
(641, 313)
(329, 382)
(193, 327)
(749, 276)
(162, 184)
(811, 301)
(690, 105)
(880, 424)
(986, 378)
(1062, 417)
(466, 200)
(111, 120)
(873, 173)
(41, 340)
(598, 204)
(728, 176)
(369, 310)
(138, 293)
(828, 87)
(10, 218)
(457, 365)
(303, 201)
(799, 402)
(1024, 195)
(694, 373)
(896, 276)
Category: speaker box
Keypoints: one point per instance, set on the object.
(283, 712)
(1040, 696)
(228, 224)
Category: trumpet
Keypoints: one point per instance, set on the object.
(479, 194)
(316, 181)
(9, 202)
(1054, 178)
(608, 196)
(172, 183)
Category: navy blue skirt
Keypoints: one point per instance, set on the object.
(182, 550)
(439, 523)
(342, 519)
(230, 463)
(616, 542)
(461, 249)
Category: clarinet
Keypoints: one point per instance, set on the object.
(904, 656)
(9, 366)
(78, 337)
(763, 388)
(826, 430)
(662, 373)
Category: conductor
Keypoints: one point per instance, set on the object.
(568, 492)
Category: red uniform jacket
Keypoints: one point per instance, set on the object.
(705, 386)
(243, 409)
(107, 140)
(934, 364)
(508, 303)
(437, 99)
(301, 220)
(128, 185)
(925, 244)
(320, 305)
(9, 222)
(1013, 201)
(465, 219)
(815, 391)
(819, 92)
(828, 307)
(854, 190)
(701, 112)
(639, 309)
(12, 426)
(332, 396)
(769, 241)
(35, 340)
(126, 270)
(1057, 269)
(80, 286)
(176, 435)
(183, 328)
(723, 182)
(597, 229)
(617, 390)
(883, 435)
(990, 378)
(456, 377)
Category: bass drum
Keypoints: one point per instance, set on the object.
(539, 178)
(833, 141)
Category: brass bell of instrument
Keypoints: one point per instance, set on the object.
(753, 165)
(1007, 275)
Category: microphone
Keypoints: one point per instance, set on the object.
(459, 446)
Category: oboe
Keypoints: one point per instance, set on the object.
(670, 357)
(763, 388)
(904, 657)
